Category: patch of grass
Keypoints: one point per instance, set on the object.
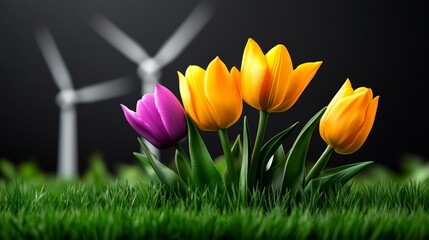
(118, 210)
(378, 204)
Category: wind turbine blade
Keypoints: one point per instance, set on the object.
(67, 145)
(185, 33)
(53, 58)
(116, 37)
(104, 90)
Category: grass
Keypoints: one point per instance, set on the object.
(119, 210)
(100, 205)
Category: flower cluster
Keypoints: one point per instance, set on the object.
(213, 101)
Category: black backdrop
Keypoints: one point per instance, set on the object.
(378, 44)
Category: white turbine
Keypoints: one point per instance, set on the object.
(68, 97)
(149, 68)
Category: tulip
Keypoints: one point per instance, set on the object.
(269, 82)
(212, 98)
(348, 119)
(159, 118)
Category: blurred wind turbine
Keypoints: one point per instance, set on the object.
(149, 68)
(68, 97)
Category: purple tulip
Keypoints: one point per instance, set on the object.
(159, 118)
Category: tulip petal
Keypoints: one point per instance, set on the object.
(206, 118)
(345, 90)
(350, 118)
(346, 118)
(276, 79)
(171, 112)
(140, 127)
(223, 94)
(148, 112)
(185, 94)
(364, 131)
(253, 70)
(297, 82)
(235, 74)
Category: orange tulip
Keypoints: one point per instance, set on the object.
(348, 119)
(269, 82)
(212, 98)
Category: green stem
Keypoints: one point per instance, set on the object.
(320, 164)
(254, 161)
(223, 136)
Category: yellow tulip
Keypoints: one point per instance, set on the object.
(269, 82)
(348, 119)
(212, 98)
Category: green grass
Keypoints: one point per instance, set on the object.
(119, 210)
(377, 204)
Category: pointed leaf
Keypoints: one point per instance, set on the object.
(271, 147)
(273, 174)
(204, 172)
(294, 170)
(165, 174)
(338, 175)
(147, 167)
(279, 158)
(243, 187)
(183, 168)
(237, 150)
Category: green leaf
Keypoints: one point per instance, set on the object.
(279, 158)
(183, 167)
(338, 175)
(271, 147)
(294, 170)
(243, 187)
(273, 176)
(147, 167)
(237, 152)
(165, 174)
(204, 172)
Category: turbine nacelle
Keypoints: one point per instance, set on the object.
(149, 67)
(66, 98)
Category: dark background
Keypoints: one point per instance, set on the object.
(378, 44)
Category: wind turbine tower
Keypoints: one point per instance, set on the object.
(67, 99)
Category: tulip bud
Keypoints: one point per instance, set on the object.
(159, 118)
(212, 98)
(348, 119)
